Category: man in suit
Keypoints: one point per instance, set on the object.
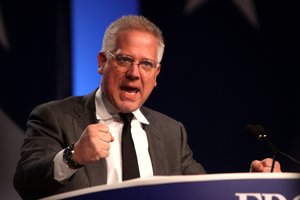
(76, 142)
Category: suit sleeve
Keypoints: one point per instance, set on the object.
(189, 166)
(34, 172)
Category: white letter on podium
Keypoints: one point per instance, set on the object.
(297, 197)
(271, 196)
(244, 196)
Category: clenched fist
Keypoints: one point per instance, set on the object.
(93, 144)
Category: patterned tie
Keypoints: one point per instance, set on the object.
(129, 159)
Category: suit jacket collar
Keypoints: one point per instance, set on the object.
(84, 111)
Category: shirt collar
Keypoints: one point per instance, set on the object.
(105, 111)
(140, 117)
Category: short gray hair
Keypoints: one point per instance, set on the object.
(132, 22)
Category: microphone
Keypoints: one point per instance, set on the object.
(259, 133)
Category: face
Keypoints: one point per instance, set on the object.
(128, 88)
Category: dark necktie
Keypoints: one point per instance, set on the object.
(129, 159)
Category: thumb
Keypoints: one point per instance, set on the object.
(256, 166)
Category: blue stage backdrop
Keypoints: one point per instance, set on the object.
(89, 20)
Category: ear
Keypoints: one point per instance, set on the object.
(101, 62)
(157, 72)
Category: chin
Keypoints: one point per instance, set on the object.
(128, 107)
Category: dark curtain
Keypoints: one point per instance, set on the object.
(35, 68)
(221, 73)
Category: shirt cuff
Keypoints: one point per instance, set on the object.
(61, 170)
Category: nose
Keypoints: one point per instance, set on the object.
(134, 71)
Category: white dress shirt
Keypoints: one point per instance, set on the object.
(107, 114)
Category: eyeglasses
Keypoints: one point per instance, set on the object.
(128, 61)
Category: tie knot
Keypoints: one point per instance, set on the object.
(126, 117)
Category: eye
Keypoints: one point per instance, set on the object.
(124, 60)
(147, 64)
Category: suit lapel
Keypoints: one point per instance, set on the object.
(86, 114)
(85, 111)
(155, 143)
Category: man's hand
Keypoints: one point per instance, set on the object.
(264, 166)
(93, 144)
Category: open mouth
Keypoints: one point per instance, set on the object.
(130, 89)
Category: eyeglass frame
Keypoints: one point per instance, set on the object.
(133, 61)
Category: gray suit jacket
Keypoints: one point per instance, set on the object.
(55, 125)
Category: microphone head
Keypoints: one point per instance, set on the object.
(256, 131)
(259, 132)
(250, 129)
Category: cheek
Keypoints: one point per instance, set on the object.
(112, 77)
(149, 84)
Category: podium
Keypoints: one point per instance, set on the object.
(236, 186)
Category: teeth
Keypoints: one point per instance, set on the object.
(133, 90)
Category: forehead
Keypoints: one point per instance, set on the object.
(136, 37)
(137, 43)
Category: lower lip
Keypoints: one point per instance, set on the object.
(130, 95)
